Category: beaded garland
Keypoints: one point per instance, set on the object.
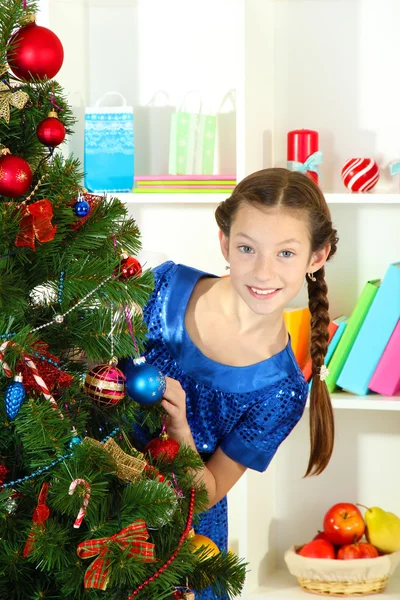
(61, 287)
(52, 464)
(174, 554)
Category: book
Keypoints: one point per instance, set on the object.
(179, 184)
(333, 327)
(297, 320)
(182, 190)
(342, 324)
(350, 333)
(374, 335)
(386, 377)
(184, 178)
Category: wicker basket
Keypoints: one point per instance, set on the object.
(342, 578)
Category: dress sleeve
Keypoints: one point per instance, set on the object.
(258, 434)
(160, 273)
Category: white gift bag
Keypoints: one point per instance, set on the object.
(152, 129)
(225, 160)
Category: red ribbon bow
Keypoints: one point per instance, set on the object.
(36, 222)
(40, 516)
(133, 537)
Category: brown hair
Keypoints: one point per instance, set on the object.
(294, 191)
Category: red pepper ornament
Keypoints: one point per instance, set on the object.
(40, 516)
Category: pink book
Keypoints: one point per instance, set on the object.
(386, 378)
(211, 186)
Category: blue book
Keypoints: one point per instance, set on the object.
(374, 335)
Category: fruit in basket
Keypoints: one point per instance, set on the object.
(358, 550)
(317, 549)
(383, 529)
(321, 535)
(344, 524)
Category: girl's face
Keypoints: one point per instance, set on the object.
(269, 252)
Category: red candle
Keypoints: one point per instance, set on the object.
(301, 143)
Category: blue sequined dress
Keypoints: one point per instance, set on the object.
(246, 411)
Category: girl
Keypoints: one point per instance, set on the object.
(234, 390)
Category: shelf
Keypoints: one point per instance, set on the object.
(212, 198)
(362, 198)
(341, 400)
(171, 198)
(283, 586)
(345, 400)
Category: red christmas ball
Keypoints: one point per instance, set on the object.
(105, 384)
(3, 473)
(51, 132)
(163, 445)
(15, 176)
(130, 267)
(35, 51)
(360, 174)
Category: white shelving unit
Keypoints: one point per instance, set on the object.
(284, 586)
(215, 198)
(324, 65)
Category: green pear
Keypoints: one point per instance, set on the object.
(383, 529)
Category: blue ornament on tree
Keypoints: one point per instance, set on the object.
(75, 440)
(14, 397)
(144, 383)
(81, 207)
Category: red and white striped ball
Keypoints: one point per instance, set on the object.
(360, 174)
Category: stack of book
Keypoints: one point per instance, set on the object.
(364, 349)
(192, 184)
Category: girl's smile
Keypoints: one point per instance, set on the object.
(263, 294)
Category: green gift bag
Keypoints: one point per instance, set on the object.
(192, 141)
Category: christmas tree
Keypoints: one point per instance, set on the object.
(83, 513)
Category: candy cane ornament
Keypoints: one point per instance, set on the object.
(5, 366)
(39, 380)
(82, 510)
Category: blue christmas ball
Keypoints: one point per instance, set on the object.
(75, 441)
(14, 397)
(145, 384)
(81, 208)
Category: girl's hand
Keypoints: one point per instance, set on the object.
(174, 403)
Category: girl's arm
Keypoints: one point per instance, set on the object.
(221, 472)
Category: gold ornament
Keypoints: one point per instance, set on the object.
(127, 467)
(197, 540)
(189, 596)
(9, 98)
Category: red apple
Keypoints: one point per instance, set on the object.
(317, 549)
(360, 550)
(344, 524)
(321, 535)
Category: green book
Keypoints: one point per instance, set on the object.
(350, 333)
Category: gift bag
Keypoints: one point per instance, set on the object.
(152, 129)
(108, 146)
(192, 140)
(225, 159)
